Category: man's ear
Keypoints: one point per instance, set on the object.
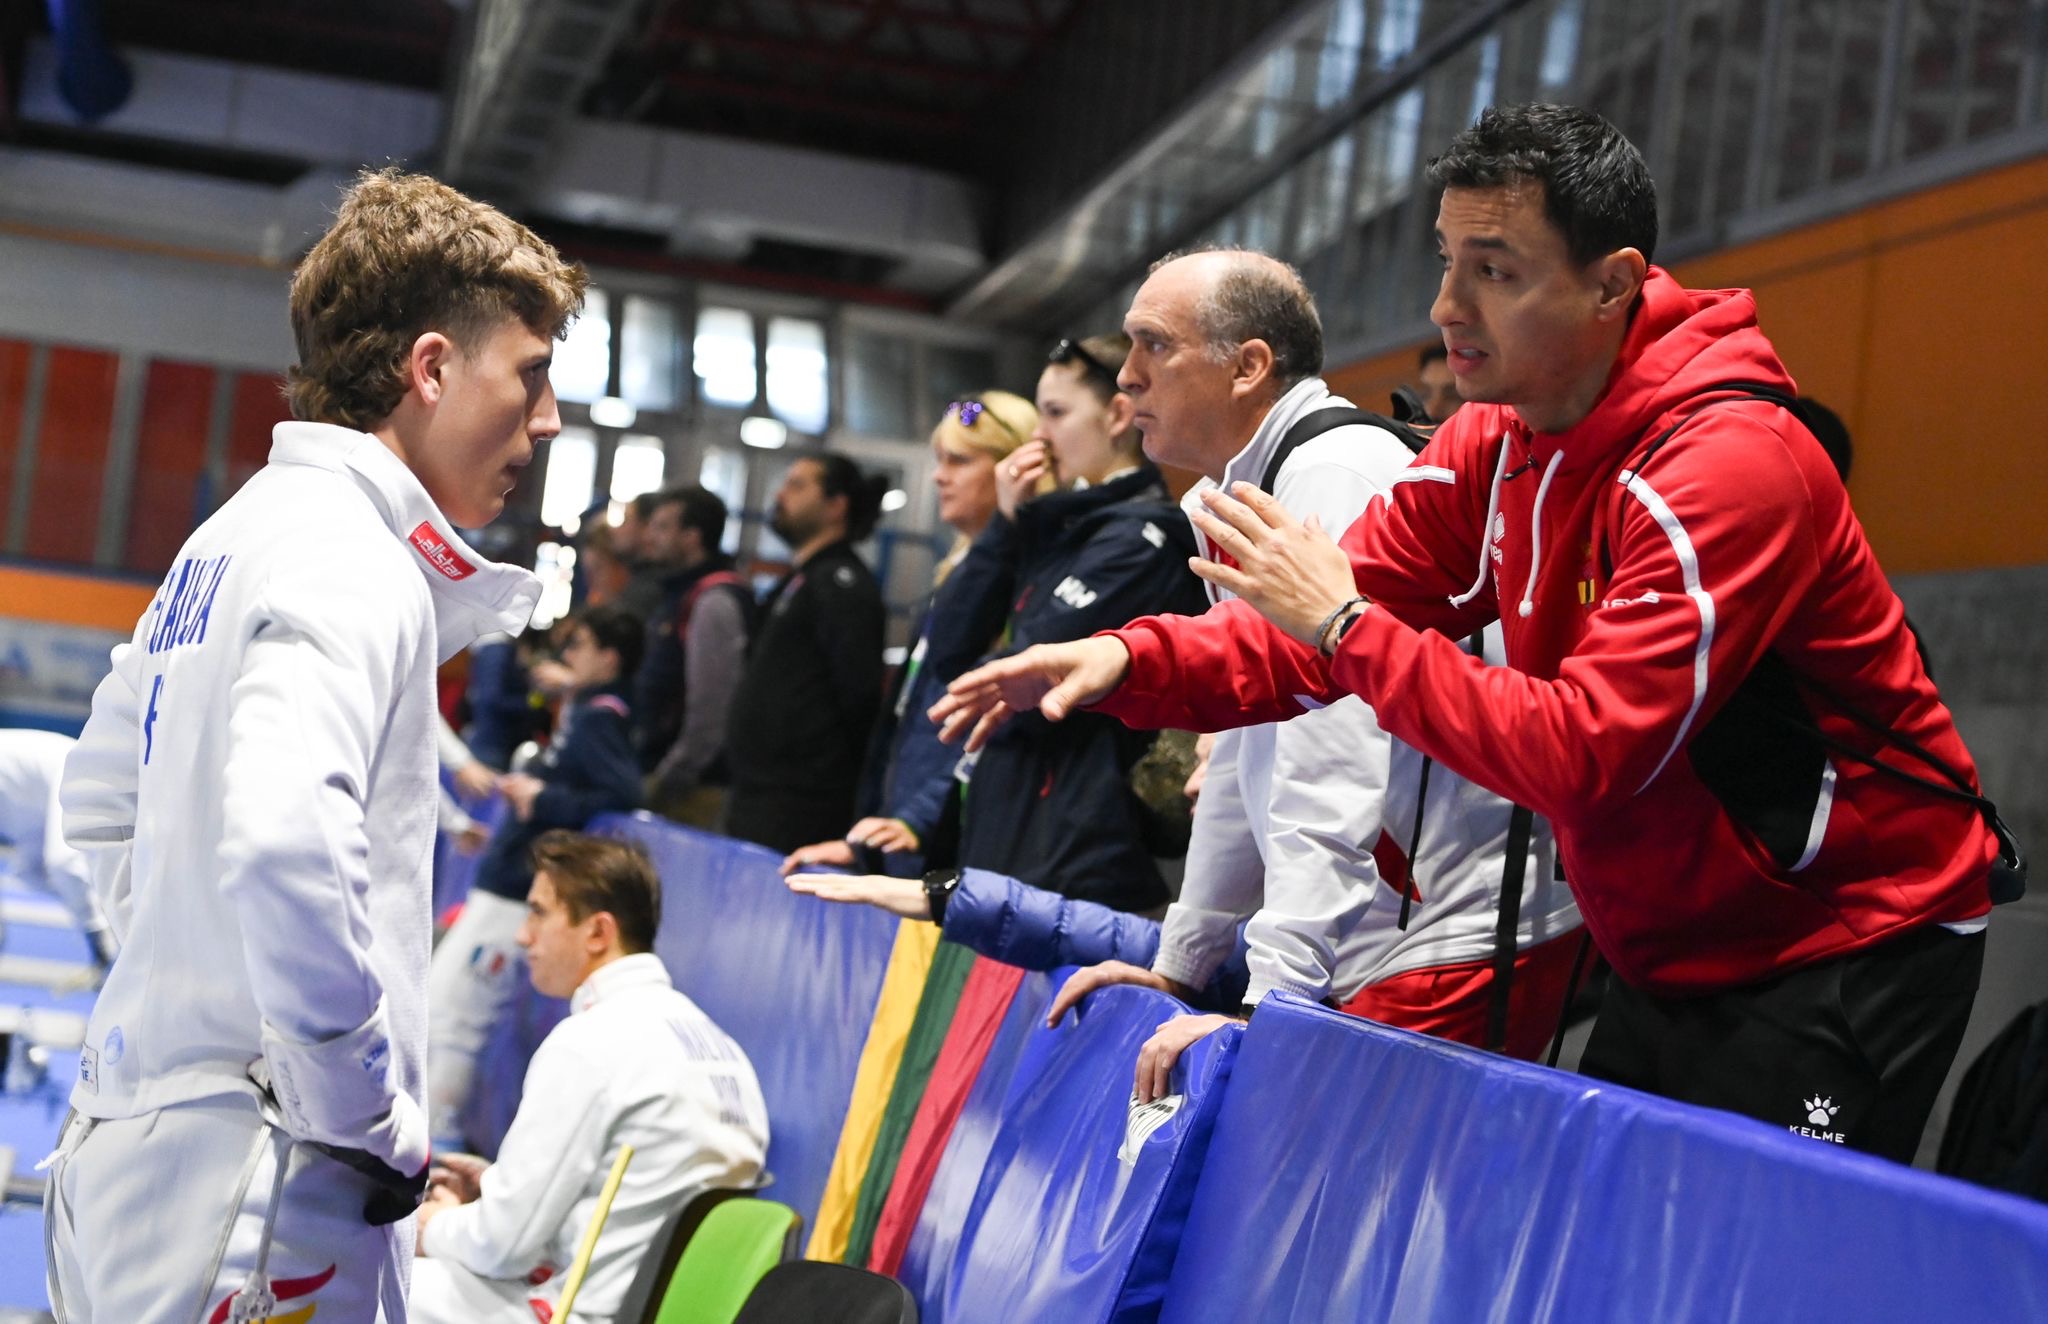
(1121, 411)
(603, 935)
(1252, 369)
(1621, 275)
(427, 365)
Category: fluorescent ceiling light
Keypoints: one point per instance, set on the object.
(767, 433)
(612, 412)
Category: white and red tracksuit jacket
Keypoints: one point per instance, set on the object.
(1305, 826)
(1706, 852)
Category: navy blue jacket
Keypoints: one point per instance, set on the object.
(1053, 801)
(502, 715)
(909, 774)
(1017, 924)
(590, 769)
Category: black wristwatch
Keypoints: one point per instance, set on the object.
(938, 890)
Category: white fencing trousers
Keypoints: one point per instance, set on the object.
(444, 1293)
(478, 969)
(139, 1208)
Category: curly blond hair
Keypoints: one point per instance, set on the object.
(407, 255)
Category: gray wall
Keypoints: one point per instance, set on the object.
(1986, 633)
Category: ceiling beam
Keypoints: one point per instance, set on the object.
(525, 69)
(936, 123)
(877, 10)
(837, 56)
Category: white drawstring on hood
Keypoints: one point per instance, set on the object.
(1536, 533)
(1486, 529)
(1500, 467)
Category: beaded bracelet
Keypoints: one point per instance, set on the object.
(1323, 630)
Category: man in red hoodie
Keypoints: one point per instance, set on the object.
(1704, 657)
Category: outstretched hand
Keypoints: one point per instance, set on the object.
(1053, 678)
(1085, 981)
(1293, 574)
(898, 896)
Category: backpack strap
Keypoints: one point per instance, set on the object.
(1749, 390)
(1507, 923)
(1316, 422)
(2009, 872)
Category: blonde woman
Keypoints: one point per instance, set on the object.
(908, 785)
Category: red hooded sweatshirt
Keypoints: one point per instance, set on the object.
(1708, 847)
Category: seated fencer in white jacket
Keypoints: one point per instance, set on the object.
(255, 788)
(635, 1063)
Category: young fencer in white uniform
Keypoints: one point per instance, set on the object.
(256, 785)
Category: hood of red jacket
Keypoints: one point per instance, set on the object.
(1680, 342)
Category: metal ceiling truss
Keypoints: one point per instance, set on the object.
(527, 67)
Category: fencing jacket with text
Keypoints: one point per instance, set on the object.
(635, 1063)
(1641, 601)
(1308, 822)
(256, 789)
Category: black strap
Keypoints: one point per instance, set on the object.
(1415, 843)
(1316, 422)
(1477, 643)
(1520, 824)
(2010, 874)
(1752, 390)
(1571, 992)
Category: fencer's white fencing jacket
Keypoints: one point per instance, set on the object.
(635, 1063)
(256, 789)
(1306, 825)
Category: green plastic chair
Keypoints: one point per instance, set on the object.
(736, 1244)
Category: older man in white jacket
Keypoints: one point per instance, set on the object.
(636, 1063)
(1309, 832)
(256, 789)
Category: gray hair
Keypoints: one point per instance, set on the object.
(1259, 297)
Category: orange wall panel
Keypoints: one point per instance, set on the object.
(89, 600)
(170, 457)
(71, 455)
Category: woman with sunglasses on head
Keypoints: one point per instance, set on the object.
(907, 785)
(1054, 803)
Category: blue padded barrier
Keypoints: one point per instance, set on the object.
(793, 980)
(501, 1065)
(932, 1242)
(1060, 1228)
(1362, 1173)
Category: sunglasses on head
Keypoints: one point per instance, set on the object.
(970, 412)
(1067, 351)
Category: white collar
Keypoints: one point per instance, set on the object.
(1082, 484)
(472, 597)
(640, 970)
(1249, 464)
(1304, 397)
